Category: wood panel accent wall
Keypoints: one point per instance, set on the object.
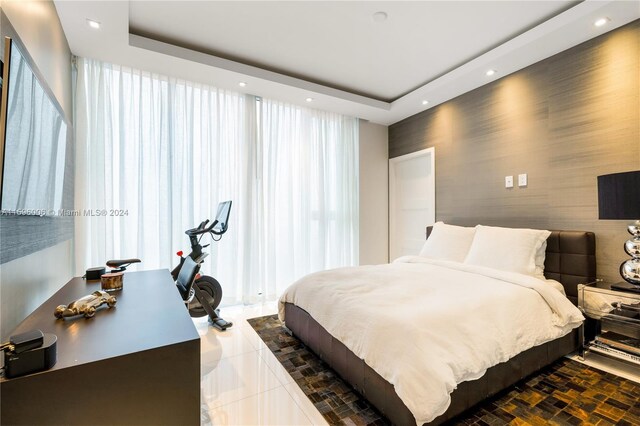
(563, 121)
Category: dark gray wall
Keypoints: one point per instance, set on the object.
(36, 253)
(563, 121)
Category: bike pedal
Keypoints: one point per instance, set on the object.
(221, 324)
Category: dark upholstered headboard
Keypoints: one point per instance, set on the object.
(570, 259)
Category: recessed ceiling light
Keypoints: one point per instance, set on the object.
(93, 24)
(379, 16)
(309, 99)
(242, 84)
(600, 22)
(491, 72)
(425, 102)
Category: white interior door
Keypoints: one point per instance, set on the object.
(412, 201)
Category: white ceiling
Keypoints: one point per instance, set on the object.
(338, 43)
(335, 52)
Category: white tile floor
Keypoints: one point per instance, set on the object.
(242, 381)
(244, 384)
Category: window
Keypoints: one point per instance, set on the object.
(166, 151)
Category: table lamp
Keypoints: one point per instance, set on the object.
(619, 199)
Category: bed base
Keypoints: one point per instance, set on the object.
(381, 393)
(570, 259)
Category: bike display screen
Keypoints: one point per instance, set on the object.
(222, 217)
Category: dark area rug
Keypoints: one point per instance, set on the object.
(565, 393)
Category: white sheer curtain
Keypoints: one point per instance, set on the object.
(166, 151)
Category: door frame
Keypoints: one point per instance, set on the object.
(431, 152)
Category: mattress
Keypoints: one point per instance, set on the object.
(426, 326)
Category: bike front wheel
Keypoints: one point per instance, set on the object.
(212, 291)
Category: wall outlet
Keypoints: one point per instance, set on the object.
(522, 179)
(508, 181)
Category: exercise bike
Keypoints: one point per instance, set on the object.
(201, 293)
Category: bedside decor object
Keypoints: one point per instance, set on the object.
(112, 281)
(619, 198)
(86, 305)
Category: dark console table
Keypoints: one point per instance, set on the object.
(137, 363)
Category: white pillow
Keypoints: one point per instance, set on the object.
(507, 249)
(448, 242)
(541, 255)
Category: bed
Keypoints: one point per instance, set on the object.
(570, 260)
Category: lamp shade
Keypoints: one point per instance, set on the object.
(619, 196)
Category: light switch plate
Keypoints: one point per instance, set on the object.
(522, 179)
(508, 181)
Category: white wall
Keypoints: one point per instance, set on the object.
(374, 193)
(25, 283)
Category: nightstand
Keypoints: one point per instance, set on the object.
(612, 327)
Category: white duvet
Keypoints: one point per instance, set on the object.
(426, 325)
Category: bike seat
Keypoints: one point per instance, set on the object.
(116, 263)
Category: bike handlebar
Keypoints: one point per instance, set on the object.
(201, 229)
(210, 229)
